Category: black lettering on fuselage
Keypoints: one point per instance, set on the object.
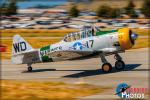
(56, 48)
(18, 47)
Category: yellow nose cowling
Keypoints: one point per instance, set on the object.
(124, 38)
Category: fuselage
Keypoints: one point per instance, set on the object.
(106, 43)
(73, 46)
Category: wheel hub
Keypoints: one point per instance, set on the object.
(106, 68)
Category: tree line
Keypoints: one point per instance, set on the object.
(109, 12)
(10, 8)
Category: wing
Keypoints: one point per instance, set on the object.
(76, 54)
(68, 55)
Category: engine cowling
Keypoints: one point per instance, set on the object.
(126, 38)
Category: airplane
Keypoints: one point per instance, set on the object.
(86, 43)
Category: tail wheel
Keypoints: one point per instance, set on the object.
(29, 69)
(119, 65)
(106, 67)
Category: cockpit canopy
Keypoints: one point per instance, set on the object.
(83, 33)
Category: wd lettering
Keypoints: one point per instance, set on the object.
(20, 46)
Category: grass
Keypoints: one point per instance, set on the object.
(141, 43)
(37, 43)
(36, 32)
(29, 90)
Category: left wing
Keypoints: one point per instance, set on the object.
(68, 55)
(74, 54)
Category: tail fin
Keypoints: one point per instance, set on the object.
(22, 52)
(20, 45)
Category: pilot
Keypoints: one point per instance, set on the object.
(83, 34)
(93, 31)
(90, 32)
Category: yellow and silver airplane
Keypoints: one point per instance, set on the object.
(88, 42)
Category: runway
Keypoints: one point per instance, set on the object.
(86, 71)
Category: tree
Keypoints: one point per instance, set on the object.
(3, 9)
(9, 8)
(12, 8)
(73, 12)
(146, 8)
(130, 9)
(114, 13)
(103, 11)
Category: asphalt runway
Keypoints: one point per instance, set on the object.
(86, 71)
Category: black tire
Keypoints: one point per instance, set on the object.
(106, 67)
(29, 69)
(119, 65)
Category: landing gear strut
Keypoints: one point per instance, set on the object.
(29, 67)
(119, 64)
(106, 67)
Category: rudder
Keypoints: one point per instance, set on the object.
(19, 45)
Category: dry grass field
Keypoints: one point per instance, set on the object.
(36, 32)
(37, 43)
(37, 90)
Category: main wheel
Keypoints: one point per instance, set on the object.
(119, 65)
(29, 69)
(106, 67)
